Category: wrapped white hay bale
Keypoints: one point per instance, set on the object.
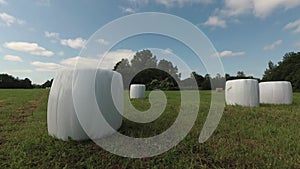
(279, 92)
(219, 89)
(244, 92)
(137, 91)
(61, 116)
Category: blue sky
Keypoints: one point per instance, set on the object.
(38, 37)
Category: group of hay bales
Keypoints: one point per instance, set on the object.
(64, 121)
(248, 92)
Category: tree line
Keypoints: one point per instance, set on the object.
(286, 70)
(10, 82)
(165, 76)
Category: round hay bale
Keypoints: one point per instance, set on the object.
(278, 92)
(243, 92)
(62, 119)
(219, 89)
(137, 91)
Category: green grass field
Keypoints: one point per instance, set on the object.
(264, 137)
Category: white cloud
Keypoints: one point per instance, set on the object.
(46, 66)
(51, 35)
(127, 10)
(31, 48)
(235, 8)
(102, 42)
(3, 2)
(9, 20)
(294, 25)
(215, 22)
(227, 53)
(167, 51)
(108, 61)
(13, 58)
(259, 8)
(133, 6)
(168, 3)
(113, 57)
(181, 3)
(263, 8)
(73, 43)
(273, 45)
(19, 71)
(84, 62)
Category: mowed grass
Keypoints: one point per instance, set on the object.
(264, 137)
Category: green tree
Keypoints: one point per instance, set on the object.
(143, 59)
(288, 70)
(8, 81)
(199, 79)
(144, 69)
(47, 84)
(206, 83)
(240, 74)
(124, 68)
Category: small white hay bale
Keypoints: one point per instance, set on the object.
(243, 92)
(137, 91)
(278, 92)
(219, 89)
(61, 116)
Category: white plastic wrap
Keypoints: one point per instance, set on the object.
(137, 91)
(279, 92)
(61, 116)
(244, 92)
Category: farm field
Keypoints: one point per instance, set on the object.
(263, 137)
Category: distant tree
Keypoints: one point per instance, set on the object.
(122, 65)
(143, 68)
(8, 81)
(168, 67)
(189, 82)
(124, 68)
(47, 84)
(288, 70)
(143, 59)
(154, 84)
(206, 83)
(240, 74)
(199, 79)
(26, 83)
(167, 84)
(227, 76)
(218, 81)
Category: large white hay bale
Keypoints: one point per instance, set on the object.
(244, 92)
(279, 92)
(61, 116)
(137, 91)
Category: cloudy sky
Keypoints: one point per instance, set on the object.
(38, 37)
